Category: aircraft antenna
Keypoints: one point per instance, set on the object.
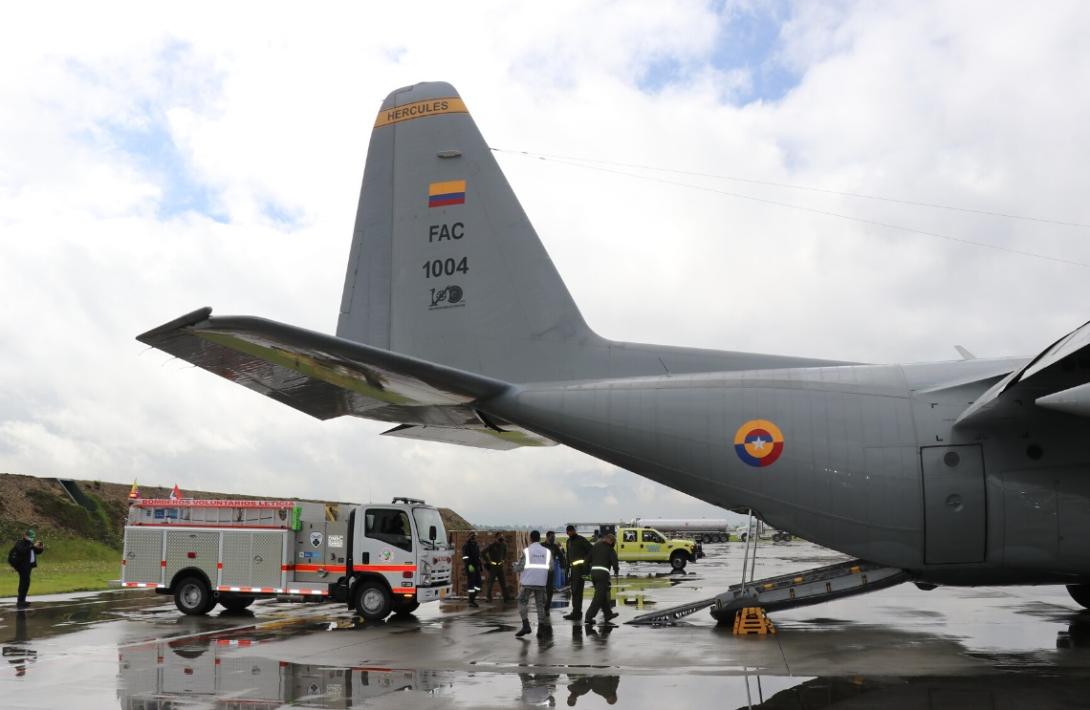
(794, 186)
(826, 213)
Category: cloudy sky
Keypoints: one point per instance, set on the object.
(156, 160)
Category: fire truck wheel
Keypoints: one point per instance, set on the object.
(406, 606)
(373, 601)
(678, 560)
(192, 596)
(235, 603)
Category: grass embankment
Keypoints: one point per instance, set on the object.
(82, 541)
(67, 565)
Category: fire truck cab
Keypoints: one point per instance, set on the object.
(376, 558)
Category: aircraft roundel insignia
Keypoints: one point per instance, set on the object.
(758, 442)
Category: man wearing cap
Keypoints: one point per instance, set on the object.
(24, 557)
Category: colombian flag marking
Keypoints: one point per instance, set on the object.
(451, 192)
(758, 442)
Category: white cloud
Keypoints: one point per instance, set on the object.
(974, 104)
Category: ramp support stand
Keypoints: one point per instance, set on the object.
(752, 620)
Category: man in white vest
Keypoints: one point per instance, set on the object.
(534, 566)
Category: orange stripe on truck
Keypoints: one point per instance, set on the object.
(317, 568)
(342, 568)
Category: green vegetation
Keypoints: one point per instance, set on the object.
(83, 542)
(67, 565)
(93, 520)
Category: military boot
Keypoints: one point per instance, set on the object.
(524, 630)
(544, 631)
(473, 599)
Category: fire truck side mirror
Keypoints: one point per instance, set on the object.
(432, 533)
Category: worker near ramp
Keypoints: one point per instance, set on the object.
(578, 554)
(603, 558)
(533, 567)
(471, 560)
(23, 558)
(495, 555)
(559, 563)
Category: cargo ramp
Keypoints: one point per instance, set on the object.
(787, 591)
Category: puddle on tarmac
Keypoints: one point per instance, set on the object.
(208, 674)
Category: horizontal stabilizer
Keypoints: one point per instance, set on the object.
(323, 375)
(481, 437)
(1075, 400)
(1052, 380)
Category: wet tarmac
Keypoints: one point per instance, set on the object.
(987, 647)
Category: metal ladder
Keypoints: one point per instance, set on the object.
(787, 591)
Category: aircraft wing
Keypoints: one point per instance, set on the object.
(328, 377)
(1057, 379)
(481, 437)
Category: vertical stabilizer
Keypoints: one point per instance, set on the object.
(444, 264)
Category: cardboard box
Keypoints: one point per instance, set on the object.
(517, 541)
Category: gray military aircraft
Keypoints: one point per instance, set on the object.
(455, 325)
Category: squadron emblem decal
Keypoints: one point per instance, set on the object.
(758, 442)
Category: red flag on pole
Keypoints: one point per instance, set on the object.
(175, 494)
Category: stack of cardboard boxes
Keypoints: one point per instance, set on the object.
(517, 541)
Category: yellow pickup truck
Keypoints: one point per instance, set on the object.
(649, 545)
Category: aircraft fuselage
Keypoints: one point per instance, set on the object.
(870, 464)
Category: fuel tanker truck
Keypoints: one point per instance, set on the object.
(702, 530)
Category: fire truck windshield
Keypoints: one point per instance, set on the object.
(425, 518)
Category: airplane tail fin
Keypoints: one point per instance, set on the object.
(445, 265)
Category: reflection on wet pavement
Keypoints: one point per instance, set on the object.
(16, 652)
(199, 674)
(899, 648)
(158, 676)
